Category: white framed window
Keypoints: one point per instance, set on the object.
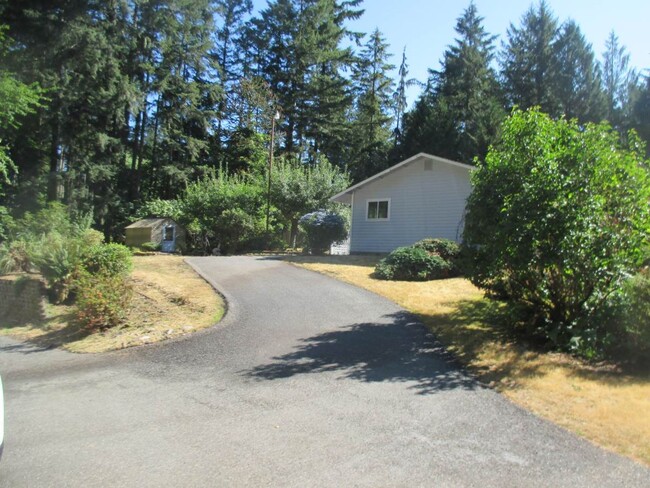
(378, 209)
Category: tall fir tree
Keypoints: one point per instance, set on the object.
(640, 116)
(230, 29)
(618, 79)
(529, 65)
(187, 98)
(418, 125)
(302, 59)
(76, 51)
(577, 83)
(400, 102)
(372, 120)
(459, 113)
(468, 87)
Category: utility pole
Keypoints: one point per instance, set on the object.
(276, 116)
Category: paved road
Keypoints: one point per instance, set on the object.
(306, 382)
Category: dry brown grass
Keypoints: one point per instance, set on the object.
(598, 402)
(169, 300)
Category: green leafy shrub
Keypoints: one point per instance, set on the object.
(54, 218)
(15, 257)
(445, 248)
(233, 228)
(213, 208)
(6, 222)
(557, 219)
(322, 229)
(298, 188)
(103, 292)
(51, 241)
(413, 264)
(58, 260)
(150, 247)
(630, 322)
(108, 259)
(102, 300)
(160, 208)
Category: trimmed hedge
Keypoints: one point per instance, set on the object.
(429, 259)
(446, 249)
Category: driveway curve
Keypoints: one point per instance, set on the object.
(306, 382)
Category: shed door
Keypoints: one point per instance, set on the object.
(169, 239)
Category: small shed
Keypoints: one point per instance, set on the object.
(161, 231)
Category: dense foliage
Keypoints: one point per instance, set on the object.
(322, 229)
(108, 259)
(297, 189)
(103, 290)
(116, 108)
(445, 248)
(77, 266)
(221, 212)
(558, 219)
(630, 314)
(428, 259)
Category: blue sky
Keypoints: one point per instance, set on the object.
(426, 27)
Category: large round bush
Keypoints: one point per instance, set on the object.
(413, 264)
(557, 219)
(445, 248)
(108, 259)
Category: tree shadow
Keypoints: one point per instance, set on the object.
(398, 350)
(54, 334)
(24, 348)
(366, 260)
(478, 327)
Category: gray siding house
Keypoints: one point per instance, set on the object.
(423, 196)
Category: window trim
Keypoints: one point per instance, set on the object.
(378, 219)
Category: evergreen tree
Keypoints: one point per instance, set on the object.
(75, 50)
(468, 88)
(417, 125)
(458, 115)
(229, 38)
(641, 113)
(529, 64)
(187, 98)
(299, 44)
(372, 120)
(578, 87)
(399, 100)
(19, 99)
(618, 78)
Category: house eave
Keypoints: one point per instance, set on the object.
(346, 195)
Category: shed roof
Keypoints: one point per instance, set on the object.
(345, 195)
(144, 223)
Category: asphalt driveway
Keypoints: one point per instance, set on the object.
(306, 382)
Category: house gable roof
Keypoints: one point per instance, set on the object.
(345, 195)
(150, 222)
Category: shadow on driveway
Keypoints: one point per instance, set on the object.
(400, 350)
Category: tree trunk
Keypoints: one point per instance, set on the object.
(294, 232)
(53, 184)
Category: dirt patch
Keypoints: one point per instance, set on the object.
(169, 300)
(597, 401)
